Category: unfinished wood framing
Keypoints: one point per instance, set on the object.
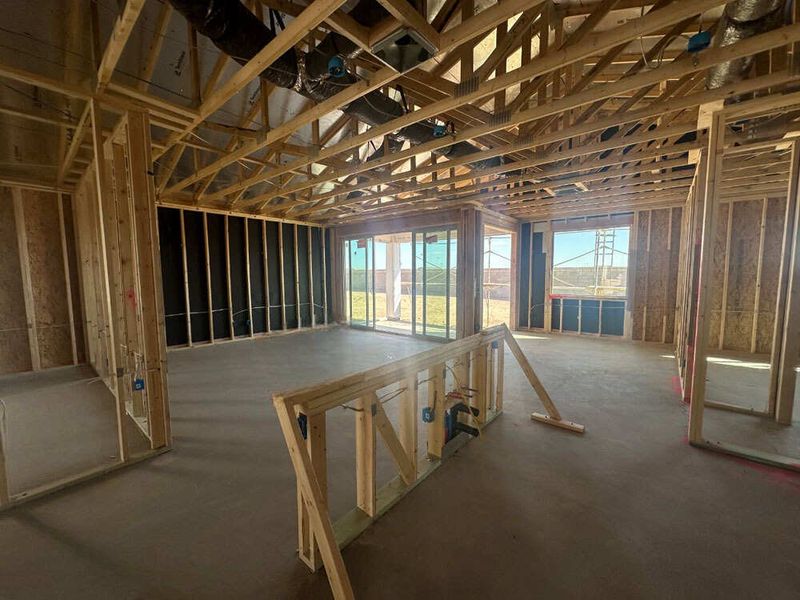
(740, 286)
(397, 381)
(171, 196)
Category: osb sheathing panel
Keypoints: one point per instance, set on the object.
(74, 276)
(742, 273)
(48, 282)
(672, 280)
(657, 274)
(640, 276)
(770, 273)
(14, 348)
(717, 275)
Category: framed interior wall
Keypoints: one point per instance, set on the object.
(228, 277)
(746, 282)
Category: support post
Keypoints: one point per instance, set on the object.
(408, 419)
(365, 456)
(318, 453)
(315, 504)
(790, 343)
(152, 299)
(436, 402)
(713, 170)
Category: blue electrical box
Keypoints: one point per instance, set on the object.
(138, 384)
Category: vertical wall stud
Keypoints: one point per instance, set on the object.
(266, 274)
(324, 278)
(407, 424)
(228, 278)
(5, 496)
(366, 455)
(311, 279)
(283, 277)
(784, 276)
(548, 243)
(759, 266)
(101, 181)
(27, 285)
(151, 297)
(725, 276)
(630, 280)
(186, 282)
(297, 280)
(712, 158)
(790, 339)
(436, 401)
(208, 278)
(67, 278)
(247, 277)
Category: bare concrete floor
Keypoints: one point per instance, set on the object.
(743, 380)
(626, 511)
(57, 424)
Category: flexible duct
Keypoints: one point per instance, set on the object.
(239, 33)
(742, 19)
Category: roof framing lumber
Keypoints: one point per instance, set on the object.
(377, 80)
(295, 31)
(408, 15)
(123, 27)
(552, 61)
(695, 63)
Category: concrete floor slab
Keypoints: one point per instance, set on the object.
(627, 511)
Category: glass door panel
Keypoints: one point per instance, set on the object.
(436, 281)
(418, 284)
(452, 279)
(360, 282)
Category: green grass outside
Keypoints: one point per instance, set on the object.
(495, 311)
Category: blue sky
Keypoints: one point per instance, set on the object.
(501, 252)
(576, 248)
(573, 248)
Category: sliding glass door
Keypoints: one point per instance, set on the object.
(377, 275)
(433, 283)
(359, 281)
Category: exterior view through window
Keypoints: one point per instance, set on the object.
(591, 263)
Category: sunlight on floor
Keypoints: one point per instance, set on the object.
(732, 362)
(528, 336)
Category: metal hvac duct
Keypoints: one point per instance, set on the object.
(240, 34)
(742, 19)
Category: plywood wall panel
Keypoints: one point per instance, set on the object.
(46, 261)
(657, 274)
(14, 352)
(770, 273)
(717, 276)
(742, 275)
(674, 264)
